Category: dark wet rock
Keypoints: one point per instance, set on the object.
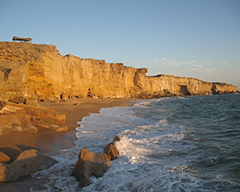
(89, 164)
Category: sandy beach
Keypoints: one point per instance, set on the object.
(12, 143)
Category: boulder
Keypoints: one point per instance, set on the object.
(110, 150)
(27, 163)
(116, 138)
(4, 158)
(89, 164)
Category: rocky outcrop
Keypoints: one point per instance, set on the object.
(89, 164)
(19, 117)
(96, 164)
(30, 73)
(27, 163)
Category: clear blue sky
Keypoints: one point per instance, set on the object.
(190, 38)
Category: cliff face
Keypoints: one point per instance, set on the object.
(32, 72)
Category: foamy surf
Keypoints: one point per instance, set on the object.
(163, 147)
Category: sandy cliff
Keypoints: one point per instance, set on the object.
(33, 72)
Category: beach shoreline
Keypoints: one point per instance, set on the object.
(46, 141)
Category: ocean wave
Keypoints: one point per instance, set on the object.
(161, 148)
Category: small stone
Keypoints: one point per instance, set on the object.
(4, 158)
(61, 129)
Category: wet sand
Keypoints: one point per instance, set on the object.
(12, 143)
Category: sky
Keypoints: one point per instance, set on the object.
(187, 38)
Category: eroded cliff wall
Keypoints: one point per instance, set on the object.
(36, 72)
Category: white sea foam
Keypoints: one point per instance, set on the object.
(146, 150)
(142, 104)
(147, 102)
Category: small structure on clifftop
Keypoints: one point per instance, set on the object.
(21, 39)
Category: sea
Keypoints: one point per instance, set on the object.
(168, 144)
